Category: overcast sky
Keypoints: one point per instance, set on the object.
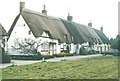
(99, 12)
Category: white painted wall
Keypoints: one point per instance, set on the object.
(73, 48)
(48, 48)
(102, 47)
(20, 31)
(77, 48)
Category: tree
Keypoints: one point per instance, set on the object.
(118, 42)
(27, 46)
(115, 43)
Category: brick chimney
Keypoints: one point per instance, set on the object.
(90, 24)
(22, 6)
(101, 28)
(69, 18)
(44, 11)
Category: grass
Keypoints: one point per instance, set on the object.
(102, 67)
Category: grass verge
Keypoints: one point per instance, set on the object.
(102, 67)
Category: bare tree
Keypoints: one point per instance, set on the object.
(27, 46)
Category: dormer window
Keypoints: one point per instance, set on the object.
(72, 38)
(46, 34)
(65, 37)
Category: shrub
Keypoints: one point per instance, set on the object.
(26, 57)
(62, 55)
(83, 51)
(47, 56)
(5, 57)
(65, 51)
(91, 52)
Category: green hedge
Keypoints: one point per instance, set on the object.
(29, 57)
(47, 57)
(5, 57)
(25, 57)
(37, 57)
(62, 55)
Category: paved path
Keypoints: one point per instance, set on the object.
(24, 62)
(72, 57)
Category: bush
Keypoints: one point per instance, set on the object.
(47, 56)
(26, 57)
(5, 57)
(37, 57)
(65, 51)
(83, 52)
(62, 55)
(91, 52)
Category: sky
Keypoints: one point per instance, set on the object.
(100, 12)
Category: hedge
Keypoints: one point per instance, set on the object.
(5, 58)
(25, 57)
(37, 57)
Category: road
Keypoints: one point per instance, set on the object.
(24, 62)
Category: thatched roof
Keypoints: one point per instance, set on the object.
(78, 38)
(59, 28)
(2, 31)
(81, 33)
(39, 23)
(102, 36)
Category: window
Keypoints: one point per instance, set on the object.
(65, 37)
(108, 47)
(23, 24)
(72, 38)
(45, 46)
(64, 46)
(97, 48)
(105, 48)
(46, 34)
(29, 32)
(69, 47)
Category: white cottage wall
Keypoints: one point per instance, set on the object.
(20, 31)
(73, 48)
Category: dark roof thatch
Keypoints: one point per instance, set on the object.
(81, 33)
(102, 36)
(38, 23)
(78, 38)
(59, 28)
(2, 31)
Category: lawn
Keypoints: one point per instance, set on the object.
(102, 67)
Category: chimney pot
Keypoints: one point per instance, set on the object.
(44, 11)
(22, 6)
(101, 28)
(69, 18)
(90, 24)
